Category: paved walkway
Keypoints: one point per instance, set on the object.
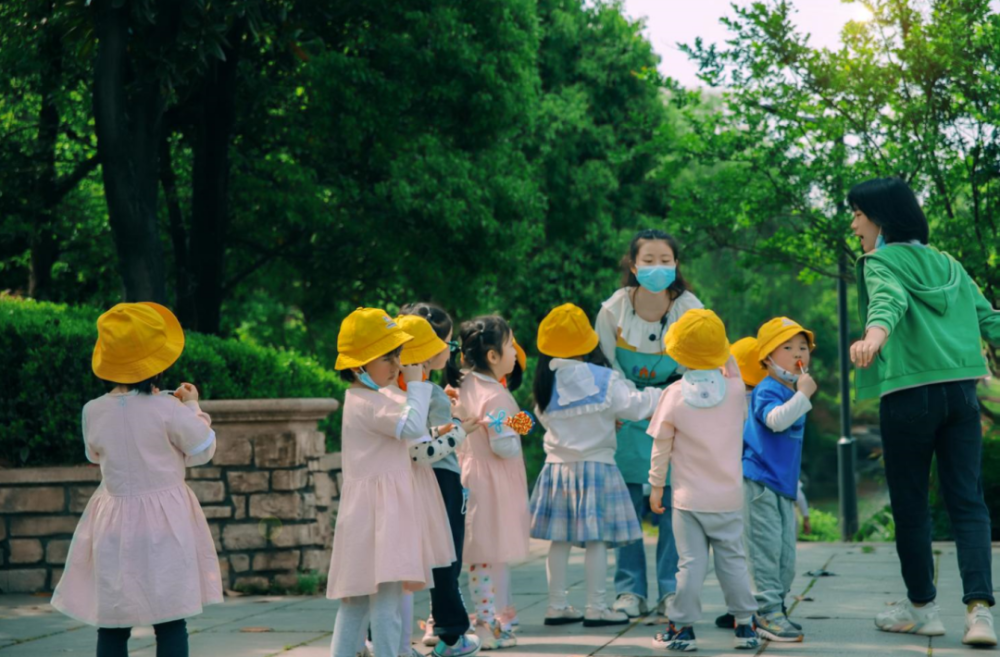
(836, 613)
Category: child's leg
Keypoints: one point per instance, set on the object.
(726, 533)
(350, 626)
(451, 620)
(504, 599)
(789, 536)
(557, 564)
(692, 550)
(483, 593)
(630, 560)
(762, 536)
(596, 568)
(387, 625)
(113, 641)
(666, 549)
(171, 639)
(406, 623)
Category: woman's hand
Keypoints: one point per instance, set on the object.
(186, 392)
(863, 352)
(656, 500)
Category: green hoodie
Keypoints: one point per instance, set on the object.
(934, 314)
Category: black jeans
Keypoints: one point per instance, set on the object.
(171, 640)
(451, 620)
(940, 419)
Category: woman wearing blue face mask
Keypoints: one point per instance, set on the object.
(631, 325)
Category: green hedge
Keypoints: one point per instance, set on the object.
(45, 352)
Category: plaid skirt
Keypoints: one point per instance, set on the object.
(583, 501)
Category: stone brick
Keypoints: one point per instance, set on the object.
(79, 496)
(43, 525)
(3, 528)
(25, 550)
(325, 462)
(252, 584)
(217, 512)
(23, 581)
(208, 491)
(239, 506)
(287, 506)
(287, 582)
(56, 551)
(295, 535)
(232, 450)
(315, 444)
(340, 482)
(204, 473)
(283, 450)
(56, 576)
(213, 527)
(32, 499)
(318, 560)
(323, 487)
(286, 560)
(242, 537)
(224, 572)
(240, 563)
(247, 482)
(289, 479)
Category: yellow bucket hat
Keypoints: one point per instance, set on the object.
(522, 358)
(748, 358)
(566, 332)
(425, 343)
(366, 334)
(135, 342)
(776, 332)
(698, 340)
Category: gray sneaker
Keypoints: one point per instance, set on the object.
(775, 627)
(633, 605)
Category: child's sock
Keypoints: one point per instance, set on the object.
(481, 585)
(557, 564)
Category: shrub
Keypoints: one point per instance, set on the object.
(45, 356)
(825, 528)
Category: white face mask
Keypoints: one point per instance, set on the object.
(782, 373)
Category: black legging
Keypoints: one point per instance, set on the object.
(171, 640)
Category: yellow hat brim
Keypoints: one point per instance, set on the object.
(413, 355)
(372, 351)
(784, 335)
(149, 365)
(700, 361)
(522, 358)
(573, 350)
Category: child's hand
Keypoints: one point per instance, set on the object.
(806, 527)
(452, 393)
(656, 500)
(470, 425)
(443, 429)
(807, 385)
(413, 373)
(186, 392)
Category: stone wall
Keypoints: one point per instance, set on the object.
(270, 495)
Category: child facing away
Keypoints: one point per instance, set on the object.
(142, 553)
(383, 545)
(497, 521)
(772, 460)
(698, 429)
(580, 497)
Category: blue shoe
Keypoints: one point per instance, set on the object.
(682, 640)
(467, 645)
(746, 638)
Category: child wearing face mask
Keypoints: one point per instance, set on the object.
(383, 545)
(772, 459)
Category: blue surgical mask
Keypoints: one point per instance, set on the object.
(879, 241)
(366, 379)
(656, 278)
(784, 374)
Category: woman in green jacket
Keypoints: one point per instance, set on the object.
(924, 320)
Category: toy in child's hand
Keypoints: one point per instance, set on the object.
(522, 423)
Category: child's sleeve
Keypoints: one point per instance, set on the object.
(776, 414)
(631, 404)
(431, 449)
(190, 430)
(93, 455)
(661, 428)
(504, 441)
(406, 422)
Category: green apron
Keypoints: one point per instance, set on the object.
(635, 446)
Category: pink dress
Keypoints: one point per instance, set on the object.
(497, 521)
(142, 553)
(381, 523)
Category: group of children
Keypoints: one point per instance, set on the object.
(434, 478)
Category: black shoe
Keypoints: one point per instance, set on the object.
(784, 610)
(725, 622)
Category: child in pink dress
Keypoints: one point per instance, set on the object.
(383, 545)
(497, 519)
(142, 553)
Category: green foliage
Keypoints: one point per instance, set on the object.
(45, 354)
(879, 527)
(825, 527)
(309, 582)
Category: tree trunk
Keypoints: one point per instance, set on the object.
(128, 120)
(213, 128)
(178, 237)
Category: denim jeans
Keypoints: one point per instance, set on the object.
(940, 420)
(630, 575)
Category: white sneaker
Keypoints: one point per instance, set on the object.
(979, 627)
(602, 616)
(505, 638)
(430, 639)
(487, 639)
(903, 617)
(563, 616)
(631, 605)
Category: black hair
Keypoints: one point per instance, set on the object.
(515, 378)
(545, 378)
(479, 336)
(892, 206)
(144, 387)
(347, 374)
(441, 322)
(679, 286)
